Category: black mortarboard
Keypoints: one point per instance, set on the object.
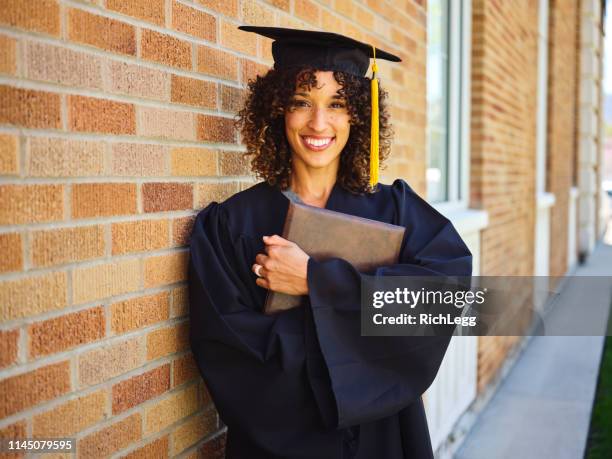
(329, 51)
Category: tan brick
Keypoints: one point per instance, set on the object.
(234, 163)
(137, 80)
(11, 248)
(225, 7)
(15, 430)
(193, 22)
(217, 63)
(9, 154)
(104, 280)
(31, 203)
(204, 394)
(29, 108)
(232, 99)
(191, 161)
(138, 159)
(139, 312)
(147, 10)
(139, 236)
(175, 406)
(192, 430)
(184, 369)
(65, 332)
(103, 199)
(8, 347)
(71, 417)
(106, 441)
(61, 65)
(8, 60)
(66, 245)
(109, 360)
(31, 296)
(216, 129)
(37, 15)
(250, 70)
(138, 389)
(307, 11)
(209, 192)
(29, 389)
(101, 32)
(157, 449)
(160, 197)
(89, 114)
(254, 12)
(214, 448)
(165, 269)
(180, 302)
(236, 39)
(181, 230)
(165, 49)
(166, 341)
(191, 91)
(167, 124)
(57, 157)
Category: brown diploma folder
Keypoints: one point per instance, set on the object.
(323, 234)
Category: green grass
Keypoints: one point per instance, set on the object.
(599, 445)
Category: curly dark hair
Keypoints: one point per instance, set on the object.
(262, 124)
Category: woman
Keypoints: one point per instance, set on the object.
(303, 383)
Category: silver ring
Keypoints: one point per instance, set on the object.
(258, 270)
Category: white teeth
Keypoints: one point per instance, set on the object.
(317, 142)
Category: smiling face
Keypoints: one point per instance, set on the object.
(317, 124)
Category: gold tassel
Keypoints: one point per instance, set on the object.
(374, 125)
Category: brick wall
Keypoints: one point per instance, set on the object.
(503, 138)
(115, 128)
(562, 99)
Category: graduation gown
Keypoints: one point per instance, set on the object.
(303, 383)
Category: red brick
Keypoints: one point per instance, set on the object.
(232, 99)
(66, 332)
(217, 63)
(214, 448)
(185, 369)
(216, 129)
(36, 15)
(110, 439)
(193, 22)
(11, 248)
(101, 32)
(191, 91)
(250, 70)
(103, 199)
(8, 347)
(159, 197)
(139, 312)
(147, 10)
(89, 114)
(157, 449)
(181, 230)
(165, 49)
(29, 108)
(29, 389)
(138, 389)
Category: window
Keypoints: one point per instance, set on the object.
(448, 65)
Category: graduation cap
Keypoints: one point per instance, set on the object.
(329, 51)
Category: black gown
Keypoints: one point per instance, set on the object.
(304, 383)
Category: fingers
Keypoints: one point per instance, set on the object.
(262, 282)
(277, 240)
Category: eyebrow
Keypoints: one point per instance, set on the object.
(303, 94)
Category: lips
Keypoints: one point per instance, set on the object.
(317, 143)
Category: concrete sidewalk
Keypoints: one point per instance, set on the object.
(543, 407)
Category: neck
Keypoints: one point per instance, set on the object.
(313, 186)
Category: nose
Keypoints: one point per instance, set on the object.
(318, 119)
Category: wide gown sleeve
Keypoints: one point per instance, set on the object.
(374, 377)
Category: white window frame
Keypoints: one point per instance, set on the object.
(459, 106)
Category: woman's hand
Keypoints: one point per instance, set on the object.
(284, 267)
